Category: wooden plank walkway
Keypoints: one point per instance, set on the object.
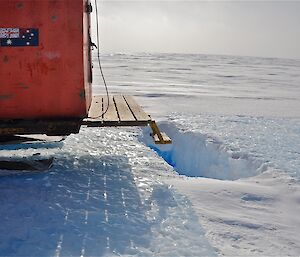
(122, 110)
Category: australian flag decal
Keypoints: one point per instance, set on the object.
(12, 37)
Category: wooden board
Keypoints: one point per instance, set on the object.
(111, 113)
(137, 111)
(96, 108)
(165, 139)
(122, 111)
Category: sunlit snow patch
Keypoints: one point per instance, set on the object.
(196, 155)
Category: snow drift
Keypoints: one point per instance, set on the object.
(197, 155)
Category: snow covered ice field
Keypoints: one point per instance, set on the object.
(228, 185)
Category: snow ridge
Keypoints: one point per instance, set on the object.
(196, 155)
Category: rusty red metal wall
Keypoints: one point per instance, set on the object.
(50, 79)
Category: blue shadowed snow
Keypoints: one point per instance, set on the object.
(36, 145)
(99, 199)
(77, 207)
(254, 198)
(195, 155)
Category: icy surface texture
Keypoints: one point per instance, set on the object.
(274, 142)
(195, 83)
(195, 155)
(103, 197)
(250, 106)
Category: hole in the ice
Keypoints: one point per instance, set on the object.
(196, 155)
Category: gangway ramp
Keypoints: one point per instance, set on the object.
(122, 110)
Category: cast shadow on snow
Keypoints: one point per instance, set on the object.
(83, 206)
(196, 155)
(35, 145)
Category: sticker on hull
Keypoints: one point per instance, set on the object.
(13, 37)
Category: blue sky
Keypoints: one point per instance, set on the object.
(251, 28)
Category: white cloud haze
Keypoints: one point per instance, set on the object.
(252, 28)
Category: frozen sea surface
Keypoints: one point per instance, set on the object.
(231, 144)
(104, 196)
(249, 105)
(207, 83)
(232, 186)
